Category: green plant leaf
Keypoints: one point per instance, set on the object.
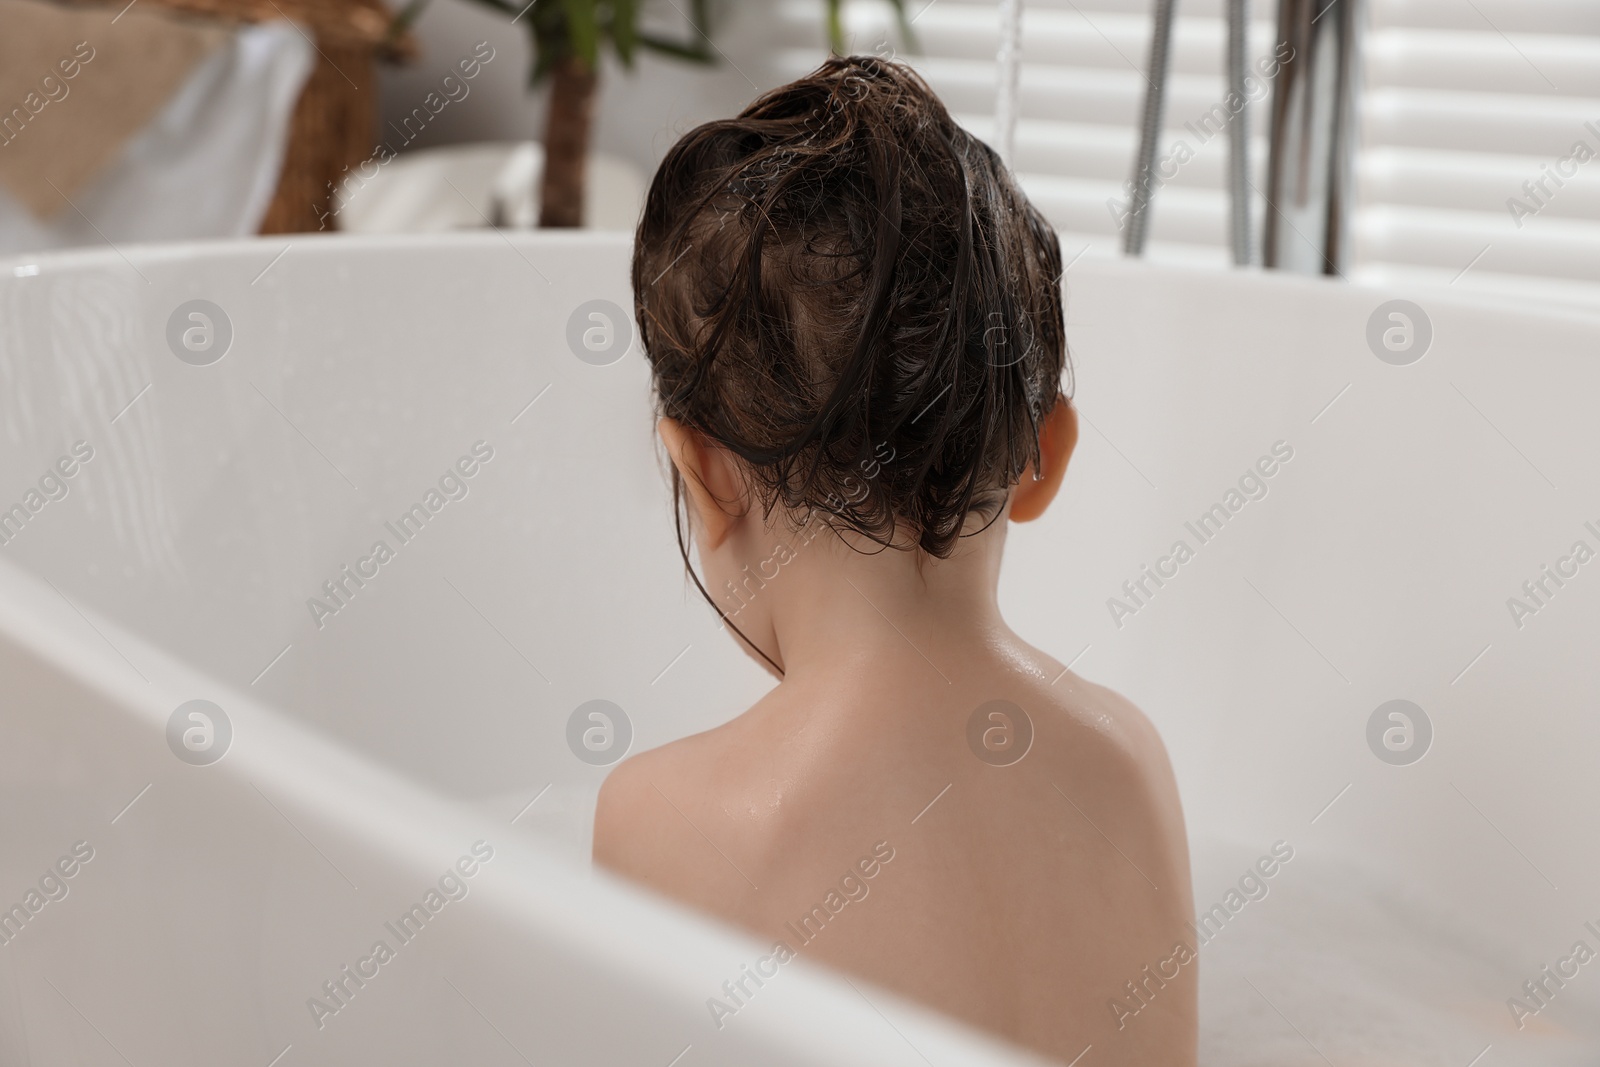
(625, 29)
(546, 52)
(583, 29)
(678, 50)
(560, 28)
(905, 25)
(700, 19)
(835, 22)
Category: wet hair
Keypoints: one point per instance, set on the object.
(848, 291)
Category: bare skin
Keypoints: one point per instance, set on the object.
(1022, 898)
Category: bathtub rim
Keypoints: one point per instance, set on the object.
(1225, 283)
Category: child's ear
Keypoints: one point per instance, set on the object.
(1057, 438)
(710, 481)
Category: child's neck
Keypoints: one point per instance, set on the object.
(832, 608)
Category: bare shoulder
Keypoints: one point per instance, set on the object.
(1100, 710)
(1107, 745)
(655, 810)
(632, 834)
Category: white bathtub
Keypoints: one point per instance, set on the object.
(373, 746)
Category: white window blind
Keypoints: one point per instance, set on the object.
(1464, 101)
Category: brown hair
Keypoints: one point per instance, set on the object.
(849, 292)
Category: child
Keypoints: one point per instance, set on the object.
(854, 321)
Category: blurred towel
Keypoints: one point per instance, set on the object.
(206, 165)
(76, 84)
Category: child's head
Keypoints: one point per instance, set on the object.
(847, 291)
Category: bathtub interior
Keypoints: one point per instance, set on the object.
(221, 498)
(219, 899)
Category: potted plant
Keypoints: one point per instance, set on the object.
(567, 39)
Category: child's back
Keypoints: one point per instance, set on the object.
(854, 322)
(1021, 898)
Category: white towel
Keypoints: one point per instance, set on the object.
(205, 166)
